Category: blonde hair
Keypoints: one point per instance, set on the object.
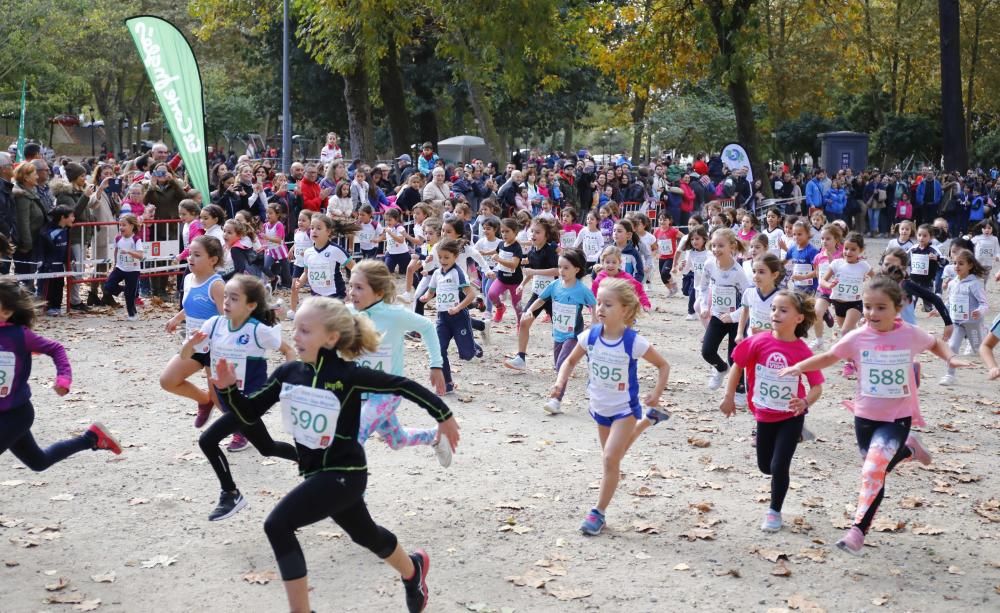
(625, 294)
(357, 332)
(609, 250)
(378, 277)
(730, 236)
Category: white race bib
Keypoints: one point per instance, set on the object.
(309, 415)
(760, 318)
(8, 361)
(126, 262)
(665, 246)
(723, 299)
(958, 307)
(802, 269)
(504, 255)
(192, 325)
(446, 296)
(823, 269)
(985, 254)
(234, 357)
(539, 283)
(366, 235)
(563, 317)
(592, 246)
(884, 374)
(380, 359)
(920, 263)
(847, 289)
(566, 239)
(771, 391)
(609, 369)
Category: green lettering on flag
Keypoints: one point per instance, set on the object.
(20, 125)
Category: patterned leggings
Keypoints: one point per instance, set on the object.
(883, 446)
(378, 414)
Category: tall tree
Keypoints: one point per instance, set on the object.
(956, 154)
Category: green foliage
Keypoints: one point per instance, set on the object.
(986, 152)
(800, 135)
(700, 119)
(905, 135)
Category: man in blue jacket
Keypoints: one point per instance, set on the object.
(925, 207)
(814, 190)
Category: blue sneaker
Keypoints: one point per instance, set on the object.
(772, 521)
(656, 415)
(593, 523)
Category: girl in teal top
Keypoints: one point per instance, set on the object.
(372, 292)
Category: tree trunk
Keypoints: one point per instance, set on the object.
(638, 114)
(393, 100)
(427, 123)
(487, 129)
(567, 144)
(727, 22)
(360, 130)
(956, 154)
(973, 64)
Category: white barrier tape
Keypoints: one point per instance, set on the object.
(57, 275)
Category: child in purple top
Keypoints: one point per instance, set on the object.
(17, 343)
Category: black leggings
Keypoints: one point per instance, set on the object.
(15, 434)
(776, 443)
(875, 439)
(333, 494)
(256, 433)
(714, 333)
(665, 266)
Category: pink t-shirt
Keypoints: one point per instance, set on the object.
(765, 351)
(821, 263)
(886, 388)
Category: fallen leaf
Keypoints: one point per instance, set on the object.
(814, 553)
(88, 605)
(813, 502)
(644, 492)
(781, 570)
(12, 483)
(261, 578)
(990, 509)
(682, 566)
(108, 577)
(530, 579)
(733, 572)
(66, 598)
(880, 600)
(927, 529)
(646, 528)
(801, 603)
(58, 585)
(63, 497)
(566, 593)
(954, 570)
(701, 507)
(136, 501)
(705, 534)
(11, 563)
(698, 442)
(888, 525)
(771, 555)
(160, 560)
(912, 502)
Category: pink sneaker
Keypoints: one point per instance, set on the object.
(920, 453)
(237, 443)
(204, 410)
(850, 371)
(853, 541)
(104, 439)
(498, 312)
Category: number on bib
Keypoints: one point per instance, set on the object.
(723, 299)
(802, 269)
(539, 283)
(563, 317)
(884, 374)
(771, 391)
(380, 359)
(237, 359)
(920, 263)
(847, 289)
(665, 246)
(8, 363)
(958, 307)
(309, 415)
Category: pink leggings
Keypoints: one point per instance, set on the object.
(378, 414)
(497, 289)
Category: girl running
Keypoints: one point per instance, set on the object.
(723, 284)
(799, 259)
(845, 280)
(591, 240)
(541, 270)
(302, 241)
(627, 242)
(324, 260)
(508, 271)
(778, 403)
(817, 221)
(775, 232)
(320, 398)
(242, 336)
(925, 260)
(455, 229)
(833, 249)
(748, 228)
(885, 403)
(129, 254)
(611, 268)
(276, 265)
(904, 236)
(987, 246)
(646, 243)
(203, 299)
(692, 267)
(488, 246)
(895, 263)
(372, 292)
(613, 350)
(17, 343)
(570, 228)
(666, 246)
(967, 306)
(755, 315)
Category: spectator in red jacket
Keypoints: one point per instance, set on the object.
(700, 166)
(313, 197)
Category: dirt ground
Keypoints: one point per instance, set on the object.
(130, 533)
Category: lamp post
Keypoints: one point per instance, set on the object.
(286, 112)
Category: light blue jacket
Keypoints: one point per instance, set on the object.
(394, 321)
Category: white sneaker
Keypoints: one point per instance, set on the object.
(968, 350)
(715, 381)
(947, 380)
(671, 292)
(132, 318)
(406, 297)
(772, 521)
(740, 400)
(691, 317)
(516, 363)
(553, 406)
(290, 315)
(817, 344)
(487, 323)
(442, 449)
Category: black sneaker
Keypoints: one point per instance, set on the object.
(93, 299)
(80, 307)
(416, 587)
(229, 504)
(828, 319)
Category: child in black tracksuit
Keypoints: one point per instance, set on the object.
(54, 240)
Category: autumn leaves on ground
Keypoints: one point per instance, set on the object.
(130, 532)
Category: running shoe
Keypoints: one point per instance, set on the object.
(487, 325)
(54, 312)
(553, 406)
(920, 453)
(109, 300)
(442, 449)
(516, 363)
(853, 541)
(593, 523)
(132, 318)
(417, 594)
(656, 416)
(140, 302)
(828, 319)
(947, 380)
(479, 351)
(237, 443)
(406, 297)
(290, 315)
(772, 521)
(103, 439)
(850, 371)
(204, 410)
(80, 307)
(499, 310)
(716, 378)
(969, 350)
(672, 292)
(691, 317)
(230, 503)
(740, 400)
(817, 344)
(479, 304)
